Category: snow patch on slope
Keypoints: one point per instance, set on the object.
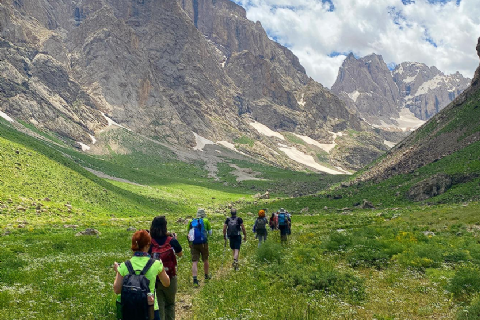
(300, 157)
(113, 123)
(6, 117)
(354, 95)
(263, 129)
(389, 143)
(84, 146)
(327, 147)
(201, 142)
(410, 79)
(429, 85)
(227, 145)
(301, 102)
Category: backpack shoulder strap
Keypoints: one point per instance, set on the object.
(129, 266)
(168, 240)
(155, 243)
(147, 266)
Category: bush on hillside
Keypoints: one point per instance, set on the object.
(466, 281)
(338, 241)
(472, 312)
(270, 252)
(329, 280)
(421, 256)
(369, 254)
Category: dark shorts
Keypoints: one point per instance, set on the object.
(283, 230)
(235, 242)
(199, 249)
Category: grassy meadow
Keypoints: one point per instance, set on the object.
(401, 260)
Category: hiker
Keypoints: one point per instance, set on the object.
(231, 230)
(260, 227)
(289, 224)
(273, 221)
(165, 247)
(198, 231)
(283, 224)
(136, 304)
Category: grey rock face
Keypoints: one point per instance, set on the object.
(163, 69)
(368, 86)
(476, 78)
(426, 90)
(431, 187)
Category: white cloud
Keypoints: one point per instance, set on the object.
(397, 31)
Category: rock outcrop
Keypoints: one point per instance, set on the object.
(378, 94)
(431, 187)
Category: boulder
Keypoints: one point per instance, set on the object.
(367, 204)
(131, 229)
(88, 232)
(304, 210)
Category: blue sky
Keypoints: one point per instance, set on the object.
(441, 33)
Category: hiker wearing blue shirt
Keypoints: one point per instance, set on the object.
(283, 224)
(198, 231)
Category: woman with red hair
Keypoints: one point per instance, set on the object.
(260, 227)
(141, 242)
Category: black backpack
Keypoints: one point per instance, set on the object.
(233, 229)
(261, 224)
(134, 293)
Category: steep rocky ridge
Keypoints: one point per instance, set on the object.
(166, 70)
(452, 129)
(378, 94)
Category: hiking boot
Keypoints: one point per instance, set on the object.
(196, 283)
(208, 277)
(235, 265)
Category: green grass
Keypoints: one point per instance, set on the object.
(293, 138)
(244, 140)
(400, 260)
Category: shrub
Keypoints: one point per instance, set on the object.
(472, 312)
(329, 280)
(466, 281)
(338, 241)
(368, 256)
(421, 256)
(457, 255)
(270, 252)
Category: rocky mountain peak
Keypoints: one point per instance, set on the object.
(385, 97)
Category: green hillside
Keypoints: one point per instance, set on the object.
(401, 259)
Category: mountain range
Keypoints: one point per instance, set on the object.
(402, 98)
(193, 75)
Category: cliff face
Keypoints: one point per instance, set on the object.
(163, 69)
(426, 90)
(366, 86)
(378, 94)
(452, 129)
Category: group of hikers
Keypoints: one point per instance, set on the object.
(146, 284)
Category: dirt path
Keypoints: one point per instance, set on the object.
(106, 176)
(184, 304)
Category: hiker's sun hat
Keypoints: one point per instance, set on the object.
(201, 213)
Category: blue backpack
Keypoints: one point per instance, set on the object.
(282, 219)
(199, 232)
